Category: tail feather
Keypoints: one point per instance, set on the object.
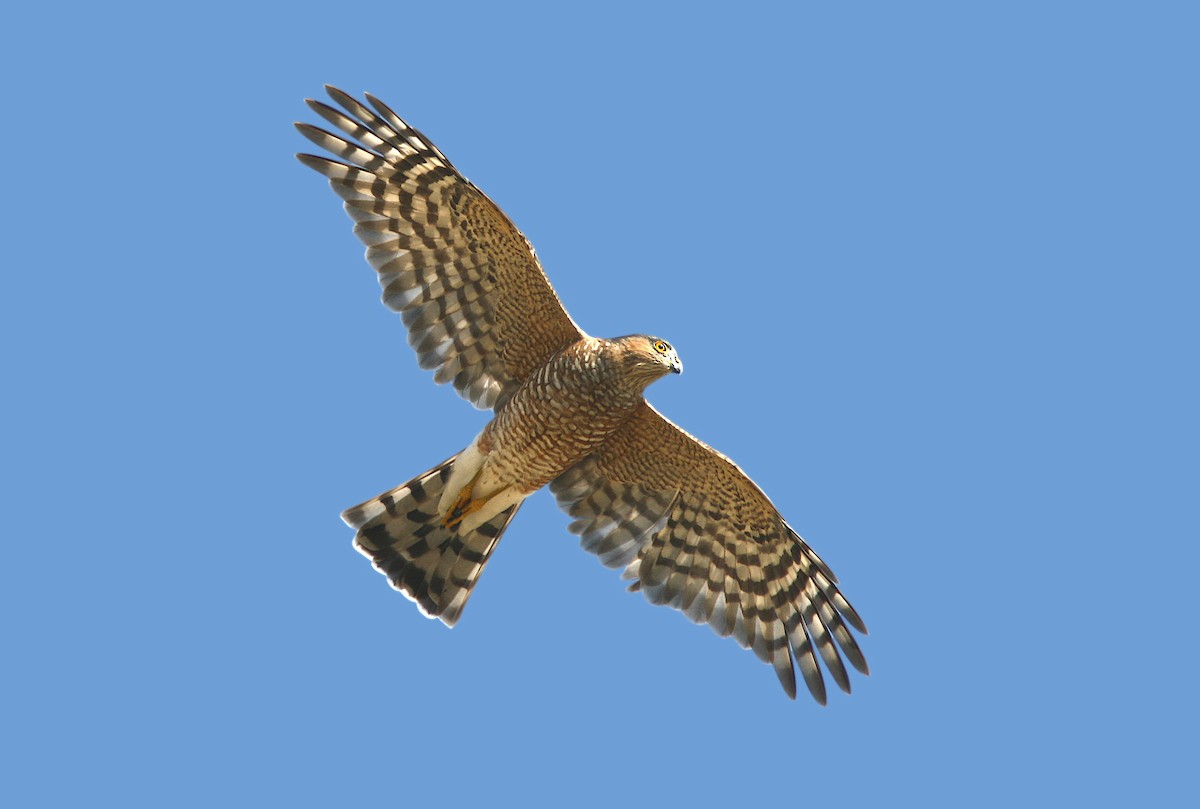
(402, 534)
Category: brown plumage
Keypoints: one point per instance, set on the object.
(682, 520)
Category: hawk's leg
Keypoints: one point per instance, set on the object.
(462, 506)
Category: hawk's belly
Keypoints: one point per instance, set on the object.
(558, 417)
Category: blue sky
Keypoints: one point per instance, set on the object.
(932, 270)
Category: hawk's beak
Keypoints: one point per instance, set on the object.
(676, 365)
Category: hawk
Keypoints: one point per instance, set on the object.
(685, 524)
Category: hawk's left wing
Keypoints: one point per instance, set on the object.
(696, 534)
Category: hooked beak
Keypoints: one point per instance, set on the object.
(676, 364)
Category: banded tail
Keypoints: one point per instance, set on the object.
(403, 535)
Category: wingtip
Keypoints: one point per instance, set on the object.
(790, 690)
(314, 162)
(337, 93)
(785, 670)
(812, 678)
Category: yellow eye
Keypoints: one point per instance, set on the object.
(660, 347)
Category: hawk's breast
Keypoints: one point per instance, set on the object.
(561, 413)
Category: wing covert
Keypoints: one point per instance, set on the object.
(467, 284)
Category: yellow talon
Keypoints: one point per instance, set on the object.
(463, 505)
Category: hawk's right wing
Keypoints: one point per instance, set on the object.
(466, 282)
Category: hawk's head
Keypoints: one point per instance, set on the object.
(645, 358)
(665, 354)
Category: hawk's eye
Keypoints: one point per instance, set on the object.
(660, 347)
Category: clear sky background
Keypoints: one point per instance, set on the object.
(932, 269)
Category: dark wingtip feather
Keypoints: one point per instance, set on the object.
(837, 670)
(787, 674)
(380, 106)
(322, 165)
(855, 656)
(317, 106)
(851, 617)
(817, 690)
(313, 133)
(340, 96)
(310, 159)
